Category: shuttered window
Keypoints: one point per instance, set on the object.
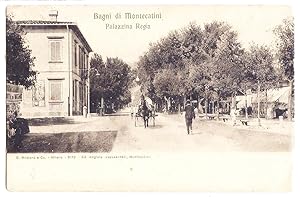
(55, 51)
(55, 90)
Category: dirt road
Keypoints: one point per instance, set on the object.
(169, 135)
(118, 133)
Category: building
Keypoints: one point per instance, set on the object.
(270, 101)
(62, 60)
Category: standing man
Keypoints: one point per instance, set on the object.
(189, 115)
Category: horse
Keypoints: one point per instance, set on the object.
(145, 112)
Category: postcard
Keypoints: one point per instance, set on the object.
(150, 98)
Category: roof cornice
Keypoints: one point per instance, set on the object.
(71, 25)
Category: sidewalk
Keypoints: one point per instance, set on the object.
(270, 126)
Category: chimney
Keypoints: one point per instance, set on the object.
(53, 15)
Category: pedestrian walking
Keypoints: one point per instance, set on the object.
(189, 116)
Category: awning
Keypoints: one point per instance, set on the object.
(279, 95)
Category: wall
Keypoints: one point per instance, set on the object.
(38, 41)
(79, 68)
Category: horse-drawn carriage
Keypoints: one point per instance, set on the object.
(145, 111)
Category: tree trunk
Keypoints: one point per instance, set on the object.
(206, 105)
(218, 118)
(168, 104)
(290, 100)
(246, 106)
(213, 107)
(258, 104)
(266, 105)
(228, 108)
(102, 106)
(233, 101)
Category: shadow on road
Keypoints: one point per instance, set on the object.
(197, 133)
(155, 127)
(101, 141)
(50, 121)
(150, 126)
(118, 114)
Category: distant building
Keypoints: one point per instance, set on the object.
(62, 55)
(270, 101)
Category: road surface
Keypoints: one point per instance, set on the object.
(169, 135)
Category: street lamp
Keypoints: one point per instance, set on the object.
(85, 75)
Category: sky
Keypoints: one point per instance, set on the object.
(253, 23)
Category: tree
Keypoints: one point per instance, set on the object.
(111, 88)
(285, 55)
(19, 62)
(218, 67)
(196, 58)
(169, 85)
(260, 70)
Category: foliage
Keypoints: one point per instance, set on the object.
(285, 45)
(259, 67)
(19, 62)
(113, 83)
(285, 54)
(185, 62)
(210, 62)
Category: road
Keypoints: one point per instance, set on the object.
(169, 135)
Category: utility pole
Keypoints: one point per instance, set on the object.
(246, 107)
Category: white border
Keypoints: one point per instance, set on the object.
(295, 6)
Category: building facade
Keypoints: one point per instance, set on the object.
(62, 60)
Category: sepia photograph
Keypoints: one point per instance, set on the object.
(156, 95)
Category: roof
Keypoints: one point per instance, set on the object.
(277, 95)
(72, 26)
(36, 22)
(274, 95)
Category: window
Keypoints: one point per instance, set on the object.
(55, 90)
(80, 96)
(83, 61)
(75, 53)
(75, 92)
(80, 61)
(86, 61)
(55, 50)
